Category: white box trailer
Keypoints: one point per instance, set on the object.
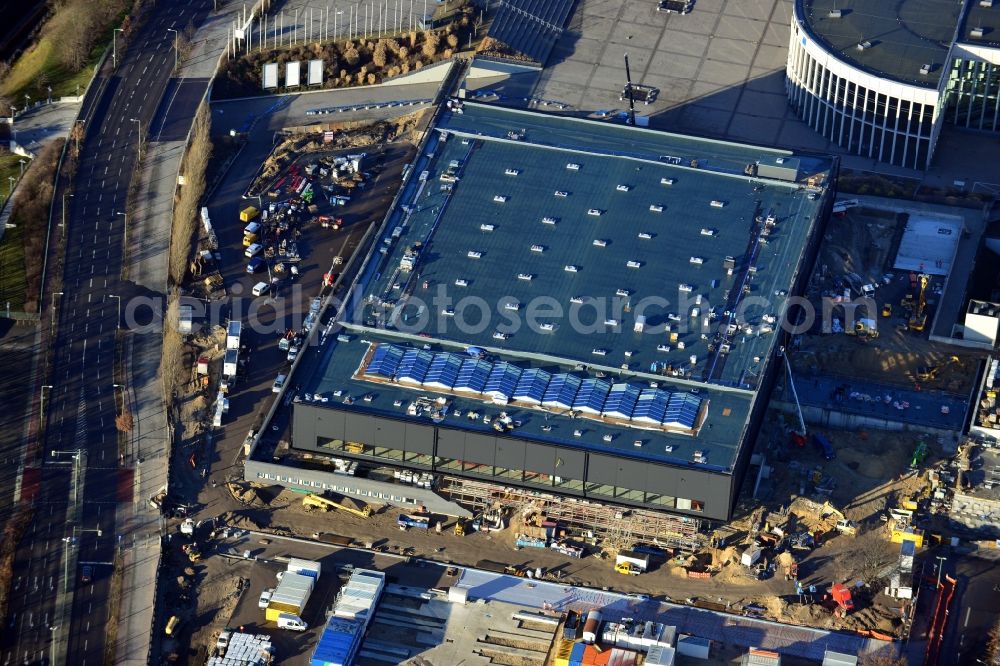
(304, 567)
(640, 560)
(229, 363)
(233, 334)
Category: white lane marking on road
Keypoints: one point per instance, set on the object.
(967, 611)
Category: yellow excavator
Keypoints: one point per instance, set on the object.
(918, 320)
(926, 373)
(325, 504)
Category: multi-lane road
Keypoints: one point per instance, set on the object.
(56, 616)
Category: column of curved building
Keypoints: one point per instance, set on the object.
(866, 113)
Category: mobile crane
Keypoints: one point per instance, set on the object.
(918, 320)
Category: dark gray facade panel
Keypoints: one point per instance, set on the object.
(329, 424)
(510, 453)
(387, 433)
(361, 428)
(539, 458)
(451, 443)
(305, 423)
(633, 474)
(420, 438)
(602, 469)
(570, 464)
(480, 448)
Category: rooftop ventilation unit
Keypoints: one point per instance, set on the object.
(596, 212)
(570, 268)
(623, 292)
(561, 193)
(607, 438)
(645, 235)
(527, 277)
(717, 204)
(637, 442)
(573, 166)
(600, 242)
(548, 220)
(697, 261)
(634, 264)
(547, 327)
(475, 255)
(500, 336)
(623, 188)
(512, 172)
(461, 283)
(699, 457)
(599, 352)
(666, 181)
(611, 322)
(538, 248)
(986, 3)
(513, 307)
(707, 232)
(686, 288)
(835, 13)
(925, 69)
(578, 300)
(486, 227)
(977, 33)
(499, 198)
(864, 46)
(662, 348)
(656, 208)
(448, 312)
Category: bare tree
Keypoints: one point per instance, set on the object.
(431, 41)
(873, 559)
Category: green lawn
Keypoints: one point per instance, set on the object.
(9, 166)
(39, 62)
(12, 279)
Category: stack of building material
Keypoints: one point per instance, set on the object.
(245, 650)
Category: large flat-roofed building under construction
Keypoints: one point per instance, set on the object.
(566, 311)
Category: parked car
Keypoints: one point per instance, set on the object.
(86, 574)
(265, 598)
(253, 250)
(255, 264)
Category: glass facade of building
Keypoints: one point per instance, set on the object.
(973, 95)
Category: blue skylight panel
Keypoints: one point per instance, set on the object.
(443, 371)
(651, 407)
(621, 401)
(384, 361)
(502, 380)
(592, 395)
(531, 387)
(472, 375)
(561, 391)
(413, 366)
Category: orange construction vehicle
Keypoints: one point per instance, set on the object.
(842, 595)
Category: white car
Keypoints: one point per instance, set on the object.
(265, 598)
(253, 250)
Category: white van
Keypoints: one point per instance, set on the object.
(292, 622)
(253, 250)
(260, 289)
(279, 383)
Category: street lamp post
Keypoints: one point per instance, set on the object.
(41, 408)
(10, 183)
(118, 322)
(941, 560)
(22, 162)
(175, 46)
(53, 324)
(139, 123)
(124, 241)
(63, 223)
(114, 47)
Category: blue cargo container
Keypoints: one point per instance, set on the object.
(576, 656)
(339, 643)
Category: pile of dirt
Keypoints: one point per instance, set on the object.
(235, 519)
(246, 495)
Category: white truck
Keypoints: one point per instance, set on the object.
(291, 622)
(233, 335)
(639, 560)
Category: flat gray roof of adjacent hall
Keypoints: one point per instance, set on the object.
(904, 35)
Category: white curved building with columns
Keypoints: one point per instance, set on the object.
(881, 78)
